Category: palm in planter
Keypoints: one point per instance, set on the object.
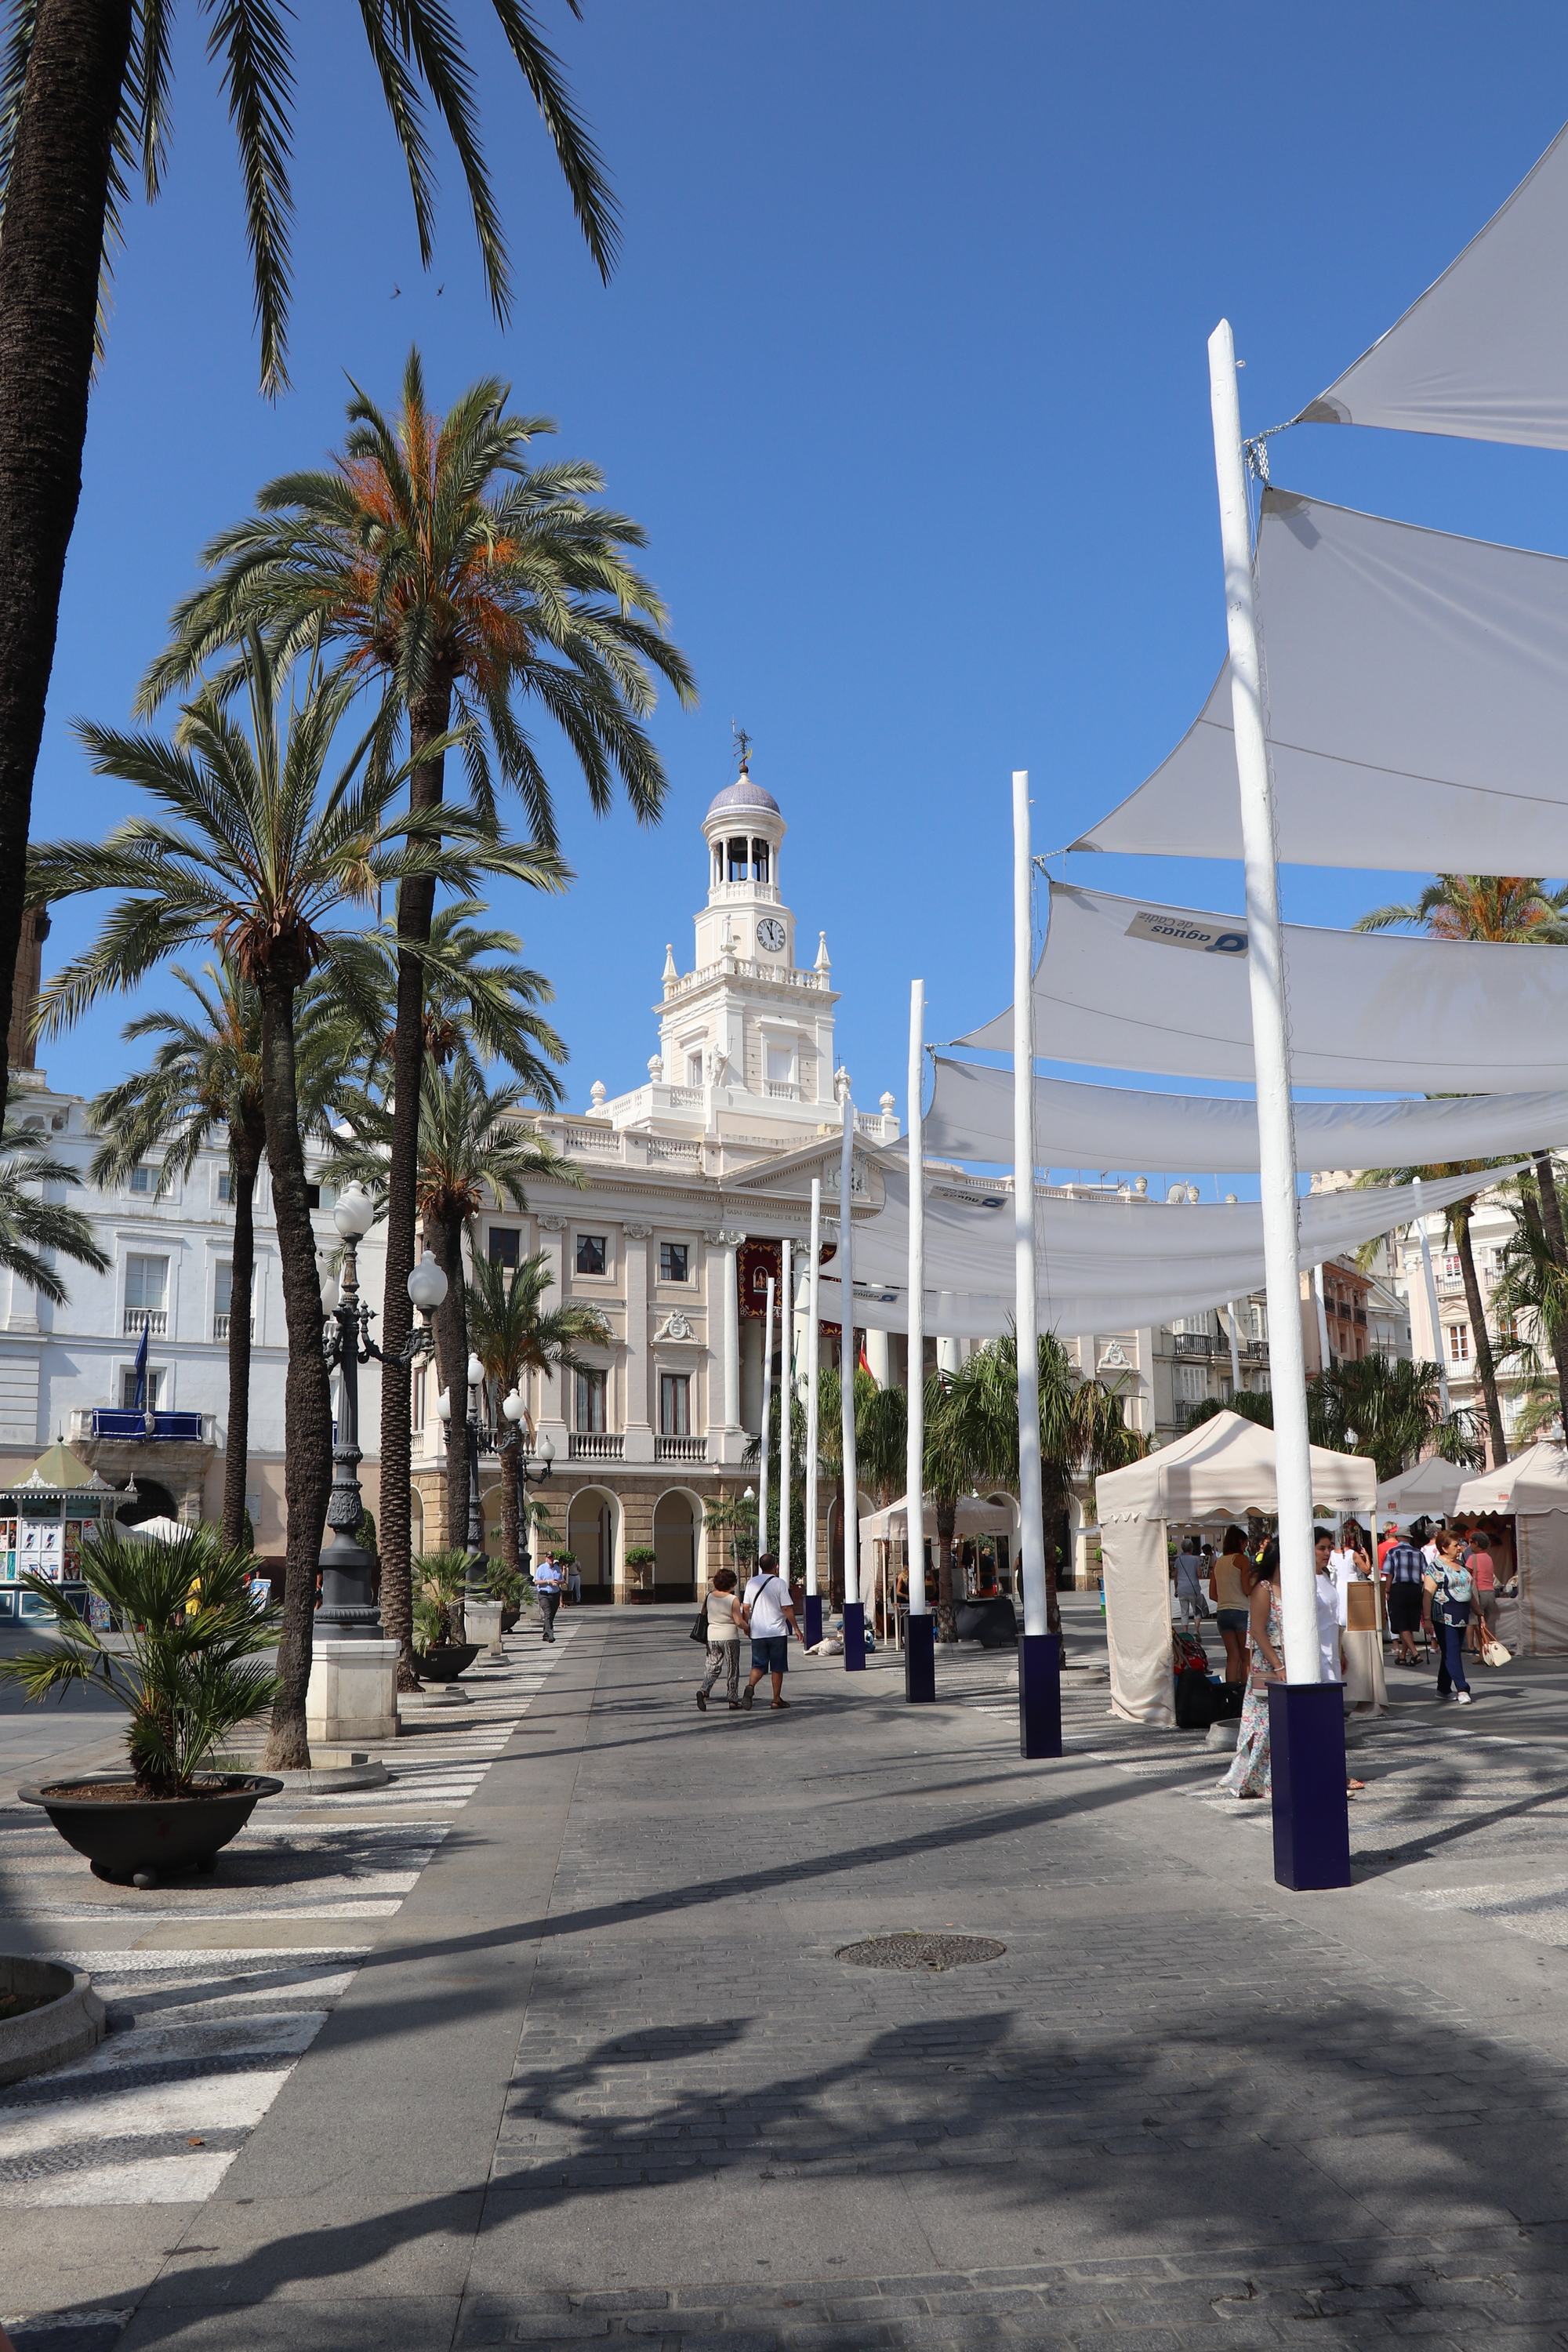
(440, 1579)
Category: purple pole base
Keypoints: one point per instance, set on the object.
(1040, 1695)
(854, 1637)
(812, 1620)
(920, 1659)
(1311, 1813)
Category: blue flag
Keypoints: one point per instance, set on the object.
(141, 1402)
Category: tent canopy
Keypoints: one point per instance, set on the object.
(1129, 984)
(1534, 1481)
(1432, 1487)
(1483, 354)
(1224, 1467)
(157, 1529)
(976, 1517)
(1417, 685)
(1082, 1126)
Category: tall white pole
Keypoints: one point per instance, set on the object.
(767, 1401)
(787, 1405)
(1235, 1353)
(854, 1619)
(1323, 1317)
(1432, 1308)
(914, 1460)
(1026, 1311)
(811, 1434)
(1270, 1053)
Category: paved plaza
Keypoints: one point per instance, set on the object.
(547, 2042)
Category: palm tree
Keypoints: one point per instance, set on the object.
(1380, 1406)
(260, 851)
(84, 105)
(31, 1225)
(205, 1080)
(514, 1333)
(468, 583)
(1530, 1300)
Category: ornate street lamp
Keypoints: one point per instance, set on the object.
(530, 1469)
(349, 1610)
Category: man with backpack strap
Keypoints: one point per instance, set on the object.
(770, 1621)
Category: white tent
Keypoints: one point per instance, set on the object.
(1129, 984)
(976, 1517)
(1221, 1469)
(1429, 1490)
(1418, 683)
(1082, 1126)
(1483, 354)
(157, 1531)
(1533, 1487)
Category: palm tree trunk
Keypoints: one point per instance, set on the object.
(452, 1350)
(511, 1531)
(427, 719)
(242, 1283)
(49, 261)
(1053, 1510)
(1557, 1249)
(946, 1613)
(1486, 1368)
(307, 1398)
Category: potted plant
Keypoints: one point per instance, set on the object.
(640, 1558)
(186, 1665)
(440, 1581)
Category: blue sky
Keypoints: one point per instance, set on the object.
(904, 373)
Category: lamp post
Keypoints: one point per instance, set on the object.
(349, 1610)
(529, 1469)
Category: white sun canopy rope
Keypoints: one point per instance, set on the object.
(1105, 1264)
(1082, 1126)
(1417, 692)
(1130, 984)
(1483, 354)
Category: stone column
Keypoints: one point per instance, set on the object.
(724, 1414)
(639, 1418)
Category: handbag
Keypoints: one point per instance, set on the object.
(699, 1629)
(1493, 1652)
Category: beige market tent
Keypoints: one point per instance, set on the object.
(976, 1517)
(1431, 1489)
(1221, 1469)
(1533, 1486)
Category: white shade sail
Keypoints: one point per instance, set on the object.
(1417, 702)
(1102, 1266)
(1128, 984)
(1081, 1125)
(1483, 354)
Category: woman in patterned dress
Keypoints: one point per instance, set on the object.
(1249, 1775)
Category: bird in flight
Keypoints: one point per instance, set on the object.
(394, 293)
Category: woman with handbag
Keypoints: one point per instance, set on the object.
(723, 1641)
(1450, 1591)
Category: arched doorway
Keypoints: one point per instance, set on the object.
(591, 1536)
(151, 1500)
(675, 1525)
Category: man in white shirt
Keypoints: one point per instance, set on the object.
(768, 1616)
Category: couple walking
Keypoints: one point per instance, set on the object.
(765, 1615)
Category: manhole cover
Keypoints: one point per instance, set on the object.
(926, 1954)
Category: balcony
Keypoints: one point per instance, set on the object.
(221, 1324)
(780, 1090)
(168, 1428)
(1193, 1343)
(680, 1449)
(153, 1321)
(595, 1445)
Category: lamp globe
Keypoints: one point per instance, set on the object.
(355, 1213)
(427, 1285)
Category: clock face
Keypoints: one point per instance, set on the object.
(770, 935)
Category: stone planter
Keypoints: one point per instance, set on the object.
(509, 1618)
(69, 2024)
(145, 1839)
(446, 1662)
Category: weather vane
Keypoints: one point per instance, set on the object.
(742, 747)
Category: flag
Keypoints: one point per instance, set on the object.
(141, 1399)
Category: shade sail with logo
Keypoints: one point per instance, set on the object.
(1483, 354)
(1222, 1469)
(1082, 1126)
(1129, 984)
(1416, 692)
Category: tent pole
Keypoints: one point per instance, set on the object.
(919, 1651)
(1322, 1317)
(813, 1598)
(1311, 1821)
(854, 1613)
(1039, 1652)
(1234, 1355)
(787, 1402)
(1432, 1308)
(767, 1403)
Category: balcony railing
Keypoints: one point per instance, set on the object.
(1193, 1343)
(680, 1449)
(782, 1090)
(595, 1445)
(153, 1321)
(221, 1323)
(171, 1428)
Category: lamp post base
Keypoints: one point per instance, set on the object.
(352, 1698)
(1311, 1811)
(1040, 1695)
(854, 1637)
(812, 1620)
(920, 1659)
(481, 1624)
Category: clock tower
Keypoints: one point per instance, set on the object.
(747, 1026)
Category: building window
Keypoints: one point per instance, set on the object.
(675, 1405)
(694, 1069)
(1452, 1269)
(780, 1063)
(146, 1284)
(1459, 1343)
(223, 1290)
(591, 1255)
(224, 1186)
(312, 1196)
(142, 1179)
(674, 1258)
(1257, 1325)
(591, 1393)
(505, 1241)
(1192, 1383)
(128, 1388)
(416, 1400)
